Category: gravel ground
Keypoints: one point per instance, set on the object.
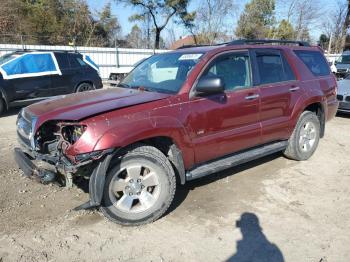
(273, 209)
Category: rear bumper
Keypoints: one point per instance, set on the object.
(344, 107)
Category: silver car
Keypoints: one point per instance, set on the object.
(344, 95)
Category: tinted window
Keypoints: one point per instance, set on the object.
(270, 68)
(73, 61)
(273, 67)
(234, 69)
(81, 62)
(62, 60)
(315, 61)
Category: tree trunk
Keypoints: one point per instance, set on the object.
(346, 26)
(157, 41)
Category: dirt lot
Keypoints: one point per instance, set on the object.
(303, 209)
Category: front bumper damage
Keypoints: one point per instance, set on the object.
(63, 169)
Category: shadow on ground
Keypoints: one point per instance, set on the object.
(343, 115)
(12, 111)
(254, 245)
(183, 190)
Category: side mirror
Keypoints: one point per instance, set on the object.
(209, 85)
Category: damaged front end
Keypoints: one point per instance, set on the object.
(48, 154)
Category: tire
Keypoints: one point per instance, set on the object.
(139, 188)
(305, 137)
(2, 106)
(84, 87)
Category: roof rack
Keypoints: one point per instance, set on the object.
(189, 46)
(44, 50)
(266, 41)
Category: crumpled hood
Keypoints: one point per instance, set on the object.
(344, 87)
(78, 106)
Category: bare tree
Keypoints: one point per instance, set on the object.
(160, 12)
(333, 25)
(304, 15)
(211, 22)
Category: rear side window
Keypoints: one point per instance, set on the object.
(273, 68)
(315, 61)
(62, 60)
(73, 60)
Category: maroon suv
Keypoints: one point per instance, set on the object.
(176, 117)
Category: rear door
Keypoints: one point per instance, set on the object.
(279, 92)
(227, 122)
(63, 84)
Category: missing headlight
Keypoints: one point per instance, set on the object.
(72, 133)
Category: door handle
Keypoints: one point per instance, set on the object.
(294, 88)
(251, 97)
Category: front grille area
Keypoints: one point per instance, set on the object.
(340, 97)
(342, 70)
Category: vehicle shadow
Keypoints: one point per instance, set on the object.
(254, 245)
(183, 190)
(343, 115)
(11, 112)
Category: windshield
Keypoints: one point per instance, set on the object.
(7, 57)
(344, 59)
(164, 73)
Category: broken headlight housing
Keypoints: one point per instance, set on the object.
(72, 133)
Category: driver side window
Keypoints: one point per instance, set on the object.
(233, 69)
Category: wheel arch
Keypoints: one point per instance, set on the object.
(315, 106)
(82, 82)
(319, 110)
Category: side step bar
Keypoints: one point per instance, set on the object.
(234, 160)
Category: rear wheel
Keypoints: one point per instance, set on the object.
(305, 137)
(85, 87)
(139, 188)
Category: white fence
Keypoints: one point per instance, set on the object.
(117, 60)
(332, 57)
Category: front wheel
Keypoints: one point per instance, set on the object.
(139, 188)
(305, 137)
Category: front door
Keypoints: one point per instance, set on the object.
(31, 87)
(227, 122)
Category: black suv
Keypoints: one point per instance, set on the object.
(29, 76)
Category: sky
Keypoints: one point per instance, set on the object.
(124, 12)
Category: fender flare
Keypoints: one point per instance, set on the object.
(96, 183)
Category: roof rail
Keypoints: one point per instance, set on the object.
(189, 46)
(44, 50)
(266, 41)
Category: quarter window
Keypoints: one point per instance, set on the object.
(62, 60)
(234, 70)
(315, 61)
